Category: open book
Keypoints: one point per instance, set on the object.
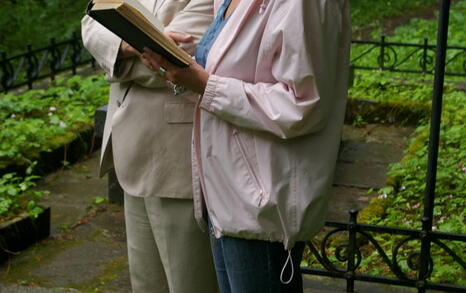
(137, 26)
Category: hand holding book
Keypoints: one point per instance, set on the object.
(194, 77)
(127, 51)
(137, 26)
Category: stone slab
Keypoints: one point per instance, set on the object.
(360, 175)
(342, 199)
(369, 152)
(318, 284)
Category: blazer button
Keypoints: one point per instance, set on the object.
(118, 104)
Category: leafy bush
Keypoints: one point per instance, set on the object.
(17, 195)
(42, 120)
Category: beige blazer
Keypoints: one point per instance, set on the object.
(147, 136)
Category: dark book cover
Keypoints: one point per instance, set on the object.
(119, 25)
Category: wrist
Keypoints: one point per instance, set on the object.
(204, 78)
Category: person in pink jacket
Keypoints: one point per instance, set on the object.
(267, 128)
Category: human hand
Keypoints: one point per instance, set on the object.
(184, 41)
(178, 38)
(193, 77)
(127, 51)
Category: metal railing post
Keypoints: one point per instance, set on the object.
(5, 76)
(351, 251)
(424, 55)
(29, 66)
(429, 196)
(53, 58)
(382, 52)
(74, 52)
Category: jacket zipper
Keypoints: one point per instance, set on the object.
(248, 165)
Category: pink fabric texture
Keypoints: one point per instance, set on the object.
(268, 127)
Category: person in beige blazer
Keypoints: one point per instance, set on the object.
(147, 140)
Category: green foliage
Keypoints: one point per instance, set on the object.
(417, 29)
(42, 120)
(371, 14)
(36, 21)
(414, 32)
(17, 195)
(400, 204)
(38, 121)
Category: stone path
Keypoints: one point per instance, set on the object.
(87, 249)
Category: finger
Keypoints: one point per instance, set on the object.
(158, 61)
(153, 58)
(134, 51)
(146, 62)
(179, 37)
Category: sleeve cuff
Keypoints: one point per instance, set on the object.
(110, 45)
(209, 93)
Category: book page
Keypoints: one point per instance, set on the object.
(143, 24)
(139, 7)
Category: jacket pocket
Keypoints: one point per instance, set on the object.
(253, 173)
(178, 112)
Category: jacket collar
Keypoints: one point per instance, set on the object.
(231, 30)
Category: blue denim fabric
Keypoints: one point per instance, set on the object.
(254, 266)
(205, 44)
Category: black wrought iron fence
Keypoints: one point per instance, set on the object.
(37, 64)
(342, 258)
(405, 57)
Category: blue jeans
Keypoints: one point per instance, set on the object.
(254, 266)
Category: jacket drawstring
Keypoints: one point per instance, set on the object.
(290, 260)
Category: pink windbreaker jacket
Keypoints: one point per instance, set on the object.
(268, 127)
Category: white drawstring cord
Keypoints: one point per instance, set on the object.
(288, 259)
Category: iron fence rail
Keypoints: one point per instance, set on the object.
(419, 261)
(359, 236)
(405, 57)
(37, 64)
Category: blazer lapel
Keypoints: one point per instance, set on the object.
(231, 30)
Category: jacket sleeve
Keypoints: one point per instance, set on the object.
(307, 44)
(104, 47)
